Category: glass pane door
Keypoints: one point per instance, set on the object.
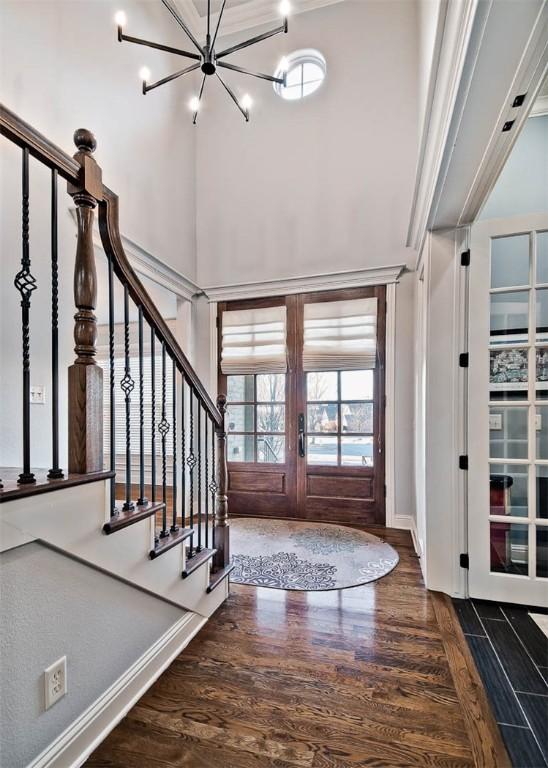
(508, 503)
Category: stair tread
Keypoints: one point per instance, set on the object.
(218, 576)
(197, 560)
(167, 543)
(124, 519)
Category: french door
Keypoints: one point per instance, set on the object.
(308, 443)
(508, 411)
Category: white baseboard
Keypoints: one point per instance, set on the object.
(78, 741)
(403, 522)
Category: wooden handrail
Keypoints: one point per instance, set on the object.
(24, 135)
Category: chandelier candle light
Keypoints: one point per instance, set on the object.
(206, 58)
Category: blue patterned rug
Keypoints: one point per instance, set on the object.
(287, 554)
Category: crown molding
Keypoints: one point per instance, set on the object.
(454, 29)
(325, 282)
(148, 265)
(246, 15)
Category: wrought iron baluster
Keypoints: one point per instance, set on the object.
(153, 415)
(163, 429)
(174, 526)
(206, 477)
(112, 387)
(142, 498)
(183, 454)
(127, 385)
(25, 283)
(191, 462)
(213, 484)
(200, 521)
(55, 472)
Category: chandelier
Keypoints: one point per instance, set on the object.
(206, 58)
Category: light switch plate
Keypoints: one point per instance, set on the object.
(495, 421)
(38, 394)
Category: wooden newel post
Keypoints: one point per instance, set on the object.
(222, 535)
(85, 377)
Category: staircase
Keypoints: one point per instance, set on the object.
(146, 497)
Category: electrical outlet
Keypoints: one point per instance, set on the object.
(38, 395)
(55, 682)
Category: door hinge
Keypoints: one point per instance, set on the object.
(465, 258)
(463, 462)
(464, 560)
(464, 360)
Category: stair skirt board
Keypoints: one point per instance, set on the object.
(78, 741)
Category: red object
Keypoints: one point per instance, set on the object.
(499, 486)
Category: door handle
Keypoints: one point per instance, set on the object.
(302, 452)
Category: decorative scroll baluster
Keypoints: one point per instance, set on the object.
(206, 477)
(55, 472)
(163, 429)
(200, 522)
(213, 484)
(127, 385)
(85, 377)
(174, 526)
(183, 454)
(191, 462)
(153, 415)
(112, 387)
(25, 283)
(222, 543)
(142, 498)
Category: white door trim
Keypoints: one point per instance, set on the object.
(277, 288)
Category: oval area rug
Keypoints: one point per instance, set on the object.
(287, 554)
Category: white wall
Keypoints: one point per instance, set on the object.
(321, 184)
(54, 606)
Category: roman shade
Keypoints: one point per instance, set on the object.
(340, 335)
(254, 340)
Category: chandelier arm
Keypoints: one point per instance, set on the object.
(230, 92)
(158, 46)
(218, 24)
(178, 18)
(235, 68)
(169, 78)
(252, 41)
(195, 116)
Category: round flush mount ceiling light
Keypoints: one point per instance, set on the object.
(304, 72)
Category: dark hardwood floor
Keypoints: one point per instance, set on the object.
(354, 677)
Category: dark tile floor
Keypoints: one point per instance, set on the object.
(511, 654)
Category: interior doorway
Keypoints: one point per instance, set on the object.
(305, 382)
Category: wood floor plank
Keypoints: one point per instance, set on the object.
(339, 679)
(485, 738)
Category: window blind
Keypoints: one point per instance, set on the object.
(340, 335)
(254, 340)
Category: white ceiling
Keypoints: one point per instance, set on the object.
(241, 15)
